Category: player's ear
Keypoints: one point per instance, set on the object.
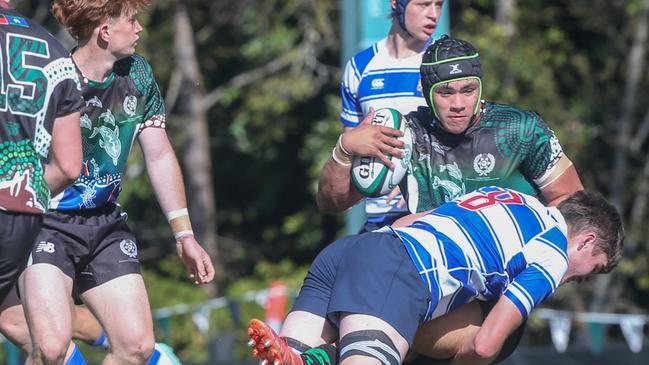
(587, 239)
(104, 32)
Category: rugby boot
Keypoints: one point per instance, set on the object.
(269, 347)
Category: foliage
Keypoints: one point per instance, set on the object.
(271, 135)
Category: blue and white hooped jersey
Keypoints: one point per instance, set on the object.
(485, 244)
(373, 78)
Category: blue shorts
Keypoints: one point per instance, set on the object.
(368, 274)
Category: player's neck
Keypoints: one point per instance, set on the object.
(402, 45)
(95, 63)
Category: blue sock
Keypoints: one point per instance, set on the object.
(102, 340)
(155, 356)
(76, 358)
(163, 354)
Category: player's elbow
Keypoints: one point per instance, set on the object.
(485, 348)
(70, 168)
(326, 203)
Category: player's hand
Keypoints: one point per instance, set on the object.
(393, 194)
(373, 140)
(196, 260)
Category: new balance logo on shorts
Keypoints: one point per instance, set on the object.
(44, 246)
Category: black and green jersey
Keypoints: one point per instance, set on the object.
(38, 83)
(115, 112)
(506, 147)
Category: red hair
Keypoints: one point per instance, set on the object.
(81, 17)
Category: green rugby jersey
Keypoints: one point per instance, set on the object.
(507, 147)
(116, 110)
(37, 85)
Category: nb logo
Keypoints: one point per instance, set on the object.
(455, 69)
(44, 246)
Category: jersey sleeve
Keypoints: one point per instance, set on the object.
(144, 80)
(66, 96)
(544, 153)
(547, 262)
(352, 113)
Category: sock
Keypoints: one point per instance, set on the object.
(322, 355)
(155, 357)
(163, 354)
(76, 358)
(102, 341)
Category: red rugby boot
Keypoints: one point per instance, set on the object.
(269, 347)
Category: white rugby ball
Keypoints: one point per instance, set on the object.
(370, 175)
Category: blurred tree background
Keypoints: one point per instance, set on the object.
(252, 91)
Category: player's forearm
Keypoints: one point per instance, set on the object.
(166, 179)
(58, 179)
(335, 191)
(470, 357)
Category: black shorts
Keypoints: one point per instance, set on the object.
(90, 246)
(17, 234)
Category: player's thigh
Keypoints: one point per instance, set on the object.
(45, 293)
(122, 307)
(366, 339)
(308, 328)
(442, 337)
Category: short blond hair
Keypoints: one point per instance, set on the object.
(81, 17)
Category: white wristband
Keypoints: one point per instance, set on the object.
(183, 234)
(340, 155)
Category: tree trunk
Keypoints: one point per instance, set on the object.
(505, 10)
(603, 297)
(197, 154)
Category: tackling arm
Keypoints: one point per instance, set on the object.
(489, 339)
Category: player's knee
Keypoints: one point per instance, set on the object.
(51, 351)
(369, 343)
(137, 350)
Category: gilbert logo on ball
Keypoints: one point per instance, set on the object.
(370, 175)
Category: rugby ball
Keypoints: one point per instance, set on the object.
(370, 175)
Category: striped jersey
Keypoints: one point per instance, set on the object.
(485, 244)
(373, 78)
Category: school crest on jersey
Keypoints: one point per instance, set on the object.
(484, 163)
(130, 105)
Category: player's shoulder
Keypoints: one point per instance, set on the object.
(138, 69)
(363, 58)
(512, 118)
(134, 64)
